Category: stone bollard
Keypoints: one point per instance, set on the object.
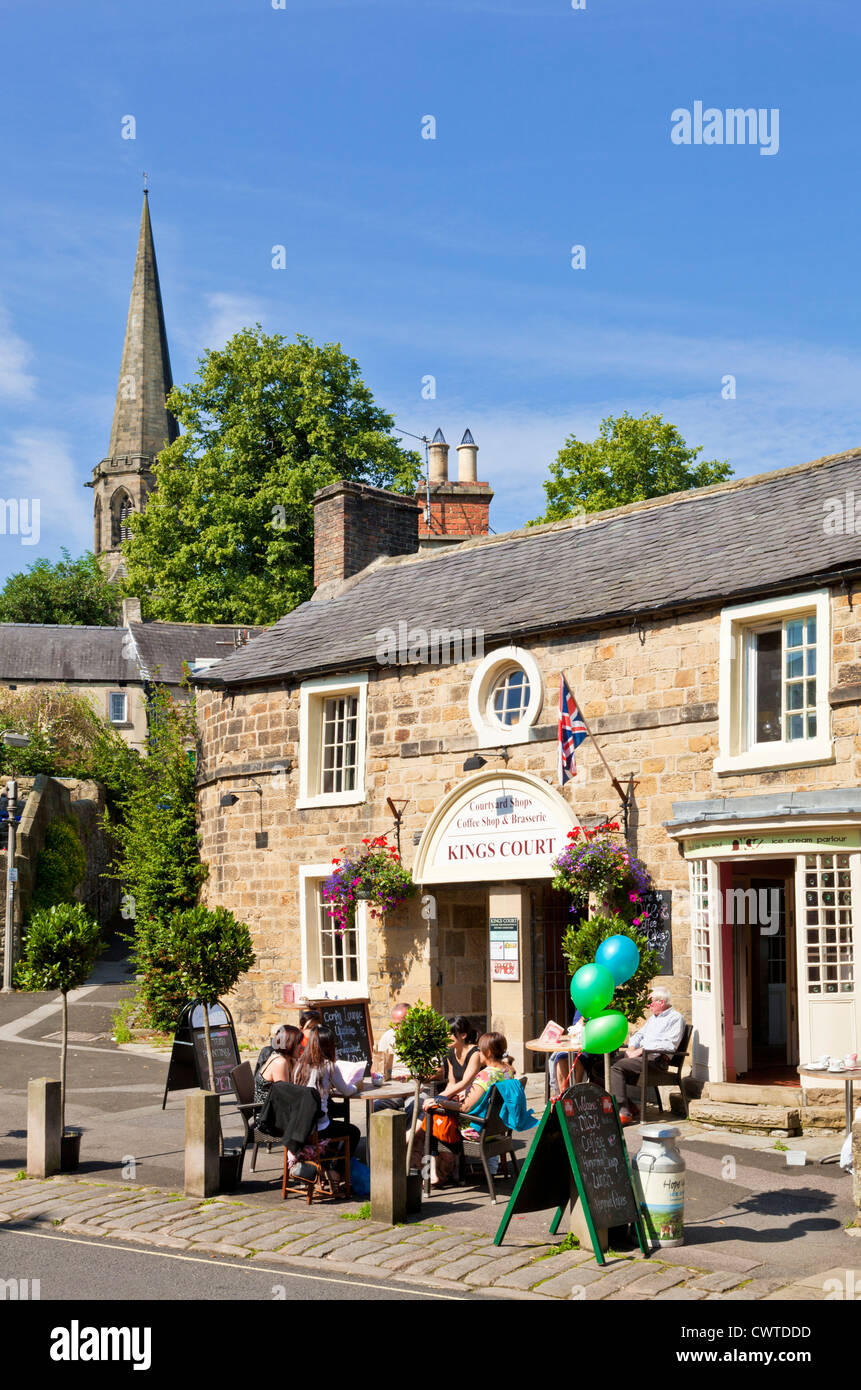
(856, 1165)
(202, 1144)
(43, 1127)
(388, 1166)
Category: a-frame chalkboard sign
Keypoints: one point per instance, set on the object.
(579, 1137)
(188, 1066)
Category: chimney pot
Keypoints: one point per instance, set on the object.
(438, 458)
(467, 459)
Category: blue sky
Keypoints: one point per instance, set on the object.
(450, 257)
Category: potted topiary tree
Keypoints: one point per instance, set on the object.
(61, 947)
(211, 950)
(423, 1038)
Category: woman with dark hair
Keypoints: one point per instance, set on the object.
(492, 1067)
(462, 1060)
(318, 1067)
(277, 1062)
(492, 1048)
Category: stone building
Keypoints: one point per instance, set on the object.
(713, 642)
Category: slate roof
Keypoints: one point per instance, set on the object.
(827, 801)
(743, 538)
(39, 652)
(142, 651)
(163, 647)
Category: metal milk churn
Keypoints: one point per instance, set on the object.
(659, 1183)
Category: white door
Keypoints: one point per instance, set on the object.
(741, 994)
(827, 894)
(708, 1051)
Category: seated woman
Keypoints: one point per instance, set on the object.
(493, 1067)
(462, 1060)
(309, 1019)
(277, 1062)
(318, 1067)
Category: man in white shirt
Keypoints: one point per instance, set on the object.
(656, 1041)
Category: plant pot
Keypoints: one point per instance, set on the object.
(70, 1150)
(414, 1193)
(229, 1169)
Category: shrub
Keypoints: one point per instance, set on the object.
(211, 950)
(580, 943)
(60, 866)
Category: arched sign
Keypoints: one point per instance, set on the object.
(507, 825)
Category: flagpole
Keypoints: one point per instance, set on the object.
(622, 794)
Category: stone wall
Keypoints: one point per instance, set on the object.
(650, 695)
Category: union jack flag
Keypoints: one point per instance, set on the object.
(572, 732)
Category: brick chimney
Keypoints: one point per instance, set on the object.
(459, 509)
(354, 524)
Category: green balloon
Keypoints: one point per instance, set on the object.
(606, 1032)
(592, 989)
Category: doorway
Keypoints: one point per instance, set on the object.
(759, 913)
(554, 919)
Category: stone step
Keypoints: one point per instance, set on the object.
(753, 1119)
(738, 1093)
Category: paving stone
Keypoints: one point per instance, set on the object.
(214, 1247)
(532, 1252)
(598, 1283)
(274, 1241)
(356, 1250)
(658, 1280)
(421, 1238)
(147, 1213)
(530, 1274)
(718, 1282)
(795, 1293)
(706, 1257)
(458, 1268)
(758, 1288)
(162, 1219)
(840, 1272)
(680, 1295)
(496, 1268)
(155, 1238)
(192, 1225)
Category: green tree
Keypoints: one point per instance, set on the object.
(60, 865)
(227, 537)
(69, 591)
(211, 950)
(61, 947)
(157, 859)
(634, 457)
(423, 1038)
(67, 737)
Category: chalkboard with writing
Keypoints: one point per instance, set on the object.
(188, 1065)
(595, 1135)
(578, 1153)
(658, 909)
(349, 1021)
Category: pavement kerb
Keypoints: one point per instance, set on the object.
(360, 1237)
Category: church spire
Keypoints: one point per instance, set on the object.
(142, 426)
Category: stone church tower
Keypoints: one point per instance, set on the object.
(142, 425)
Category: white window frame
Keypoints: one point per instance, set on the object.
(311, 876)
(312, 695)
(492, 733)
(125, 699)
(733, 700)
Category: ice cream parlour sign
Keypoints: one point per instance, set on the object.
(801, 841)
(498, 833)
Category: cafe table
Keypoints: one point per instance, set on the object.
(563, 1045)
(390, 1090)
(847, 1077)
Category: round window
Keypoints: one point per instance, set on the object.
(509, 697)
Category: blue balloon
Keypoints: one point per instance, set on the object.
(620, 956)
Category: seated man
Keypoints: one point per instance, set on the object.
(657, 1040)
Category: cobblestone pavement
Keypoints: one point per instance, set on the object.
(424, 1252)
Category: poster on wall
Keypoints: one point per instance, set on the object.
(504, 950)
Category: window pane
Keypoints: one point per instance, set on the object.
(811, 630)
(768, 682)
(794, 631)
(794, 664)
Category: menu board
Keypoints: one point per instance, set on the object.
(349, 1021)
(657, 908)
(595, 1136)
(224, 1056)
(578, 1153)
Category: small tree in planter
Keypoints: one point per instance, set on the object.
(423, 1038)
(211, 950)
(62, 945)
(374, 873)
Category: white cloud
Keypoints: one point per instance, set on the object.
(16, 383)
(38, 465)
(225, 315)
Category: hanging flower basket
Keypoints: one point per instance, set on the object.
(373, 874)
(596, 862)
